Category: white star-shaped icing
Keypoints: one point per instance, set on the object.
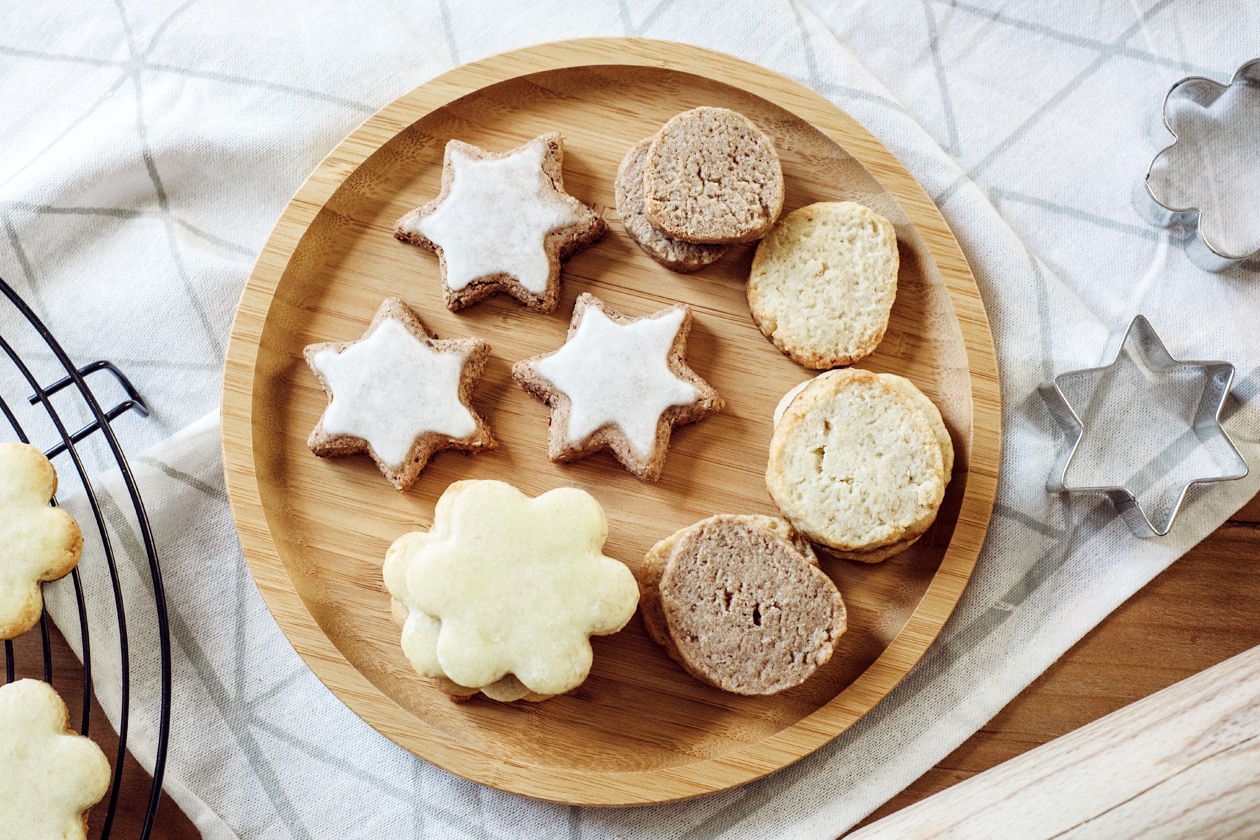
(620, 374)
(502, 223)
(1143, 430)
(37, 542)
(619, 383)
(395, 390)
(505, 585)
(495, 218)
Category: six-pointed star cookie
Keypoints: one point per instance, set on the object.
(619, 383)
(398, 394)
(51, 775)
(502, 223)
(504, 592)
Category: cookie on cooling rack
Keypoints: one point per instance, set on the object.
(52, 776)
(37, 542)
(502, 223)
(740, 603)
(398, 394)
(619, 383)
(823, 281)
(503, 593)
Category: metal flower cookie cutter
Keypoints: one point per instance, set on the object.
(1208, 179)
(1143, 430)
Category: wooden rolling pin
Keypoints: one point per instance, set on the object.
(1183, 762)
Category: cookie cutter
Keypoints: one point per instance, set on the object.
(1071, 396)
(1228, 147)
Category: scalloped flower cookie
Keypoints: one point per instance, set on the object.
(502, 223)
(503, 593)
(51, 775)
(37, 542)
(398, 394)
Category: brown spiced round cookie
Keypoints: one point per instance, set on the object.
(741, 604)
(674, 254)
(712, 176)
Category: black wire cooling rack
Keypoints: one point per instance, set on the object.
(47, 410)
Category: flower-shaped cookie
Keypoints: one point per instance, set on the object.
(51, 776)
(504, 591)
(502, 223)
(37, 542)
(1212, 166)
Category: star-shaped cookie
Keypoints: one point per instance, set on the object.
(398, 394)
(504, 591)
(502, 223)
(619, 383)
(37, 542)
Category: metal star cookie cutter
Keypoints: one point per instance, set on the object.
(1214, 156)
(1188, 395)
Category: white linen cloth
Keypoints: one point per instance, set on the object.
(148, 146)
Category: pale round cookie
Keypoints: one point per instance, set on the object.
(674, 254)
(712, 176)
(740, 603)
(856, 465)
(823, 281)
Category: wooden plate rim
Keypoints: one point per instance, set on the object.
(707, 775)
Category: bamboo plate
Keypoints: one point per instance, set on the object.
(315, 530)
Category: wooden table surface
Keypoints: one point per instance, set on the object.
(1199, 612)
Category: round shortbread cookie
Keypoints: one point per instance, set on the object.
(823, 281)
(855, 464)
(740, 603)
(711, 176)
(674, 254)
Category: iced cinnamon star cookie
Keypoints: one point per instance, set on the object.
(503, 593)
(51, 776)
(37, 542)
(398, 394)
(502, 223)
(619, 383)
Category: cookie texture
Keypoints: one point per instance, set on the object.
(502, 594)
(37, 542)
(674, 254)
(619, 383)
(712, 176)
(502, 222)
(823, 282)
(856, 465)
(52, 776)
(398, 394)
(740, 603)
